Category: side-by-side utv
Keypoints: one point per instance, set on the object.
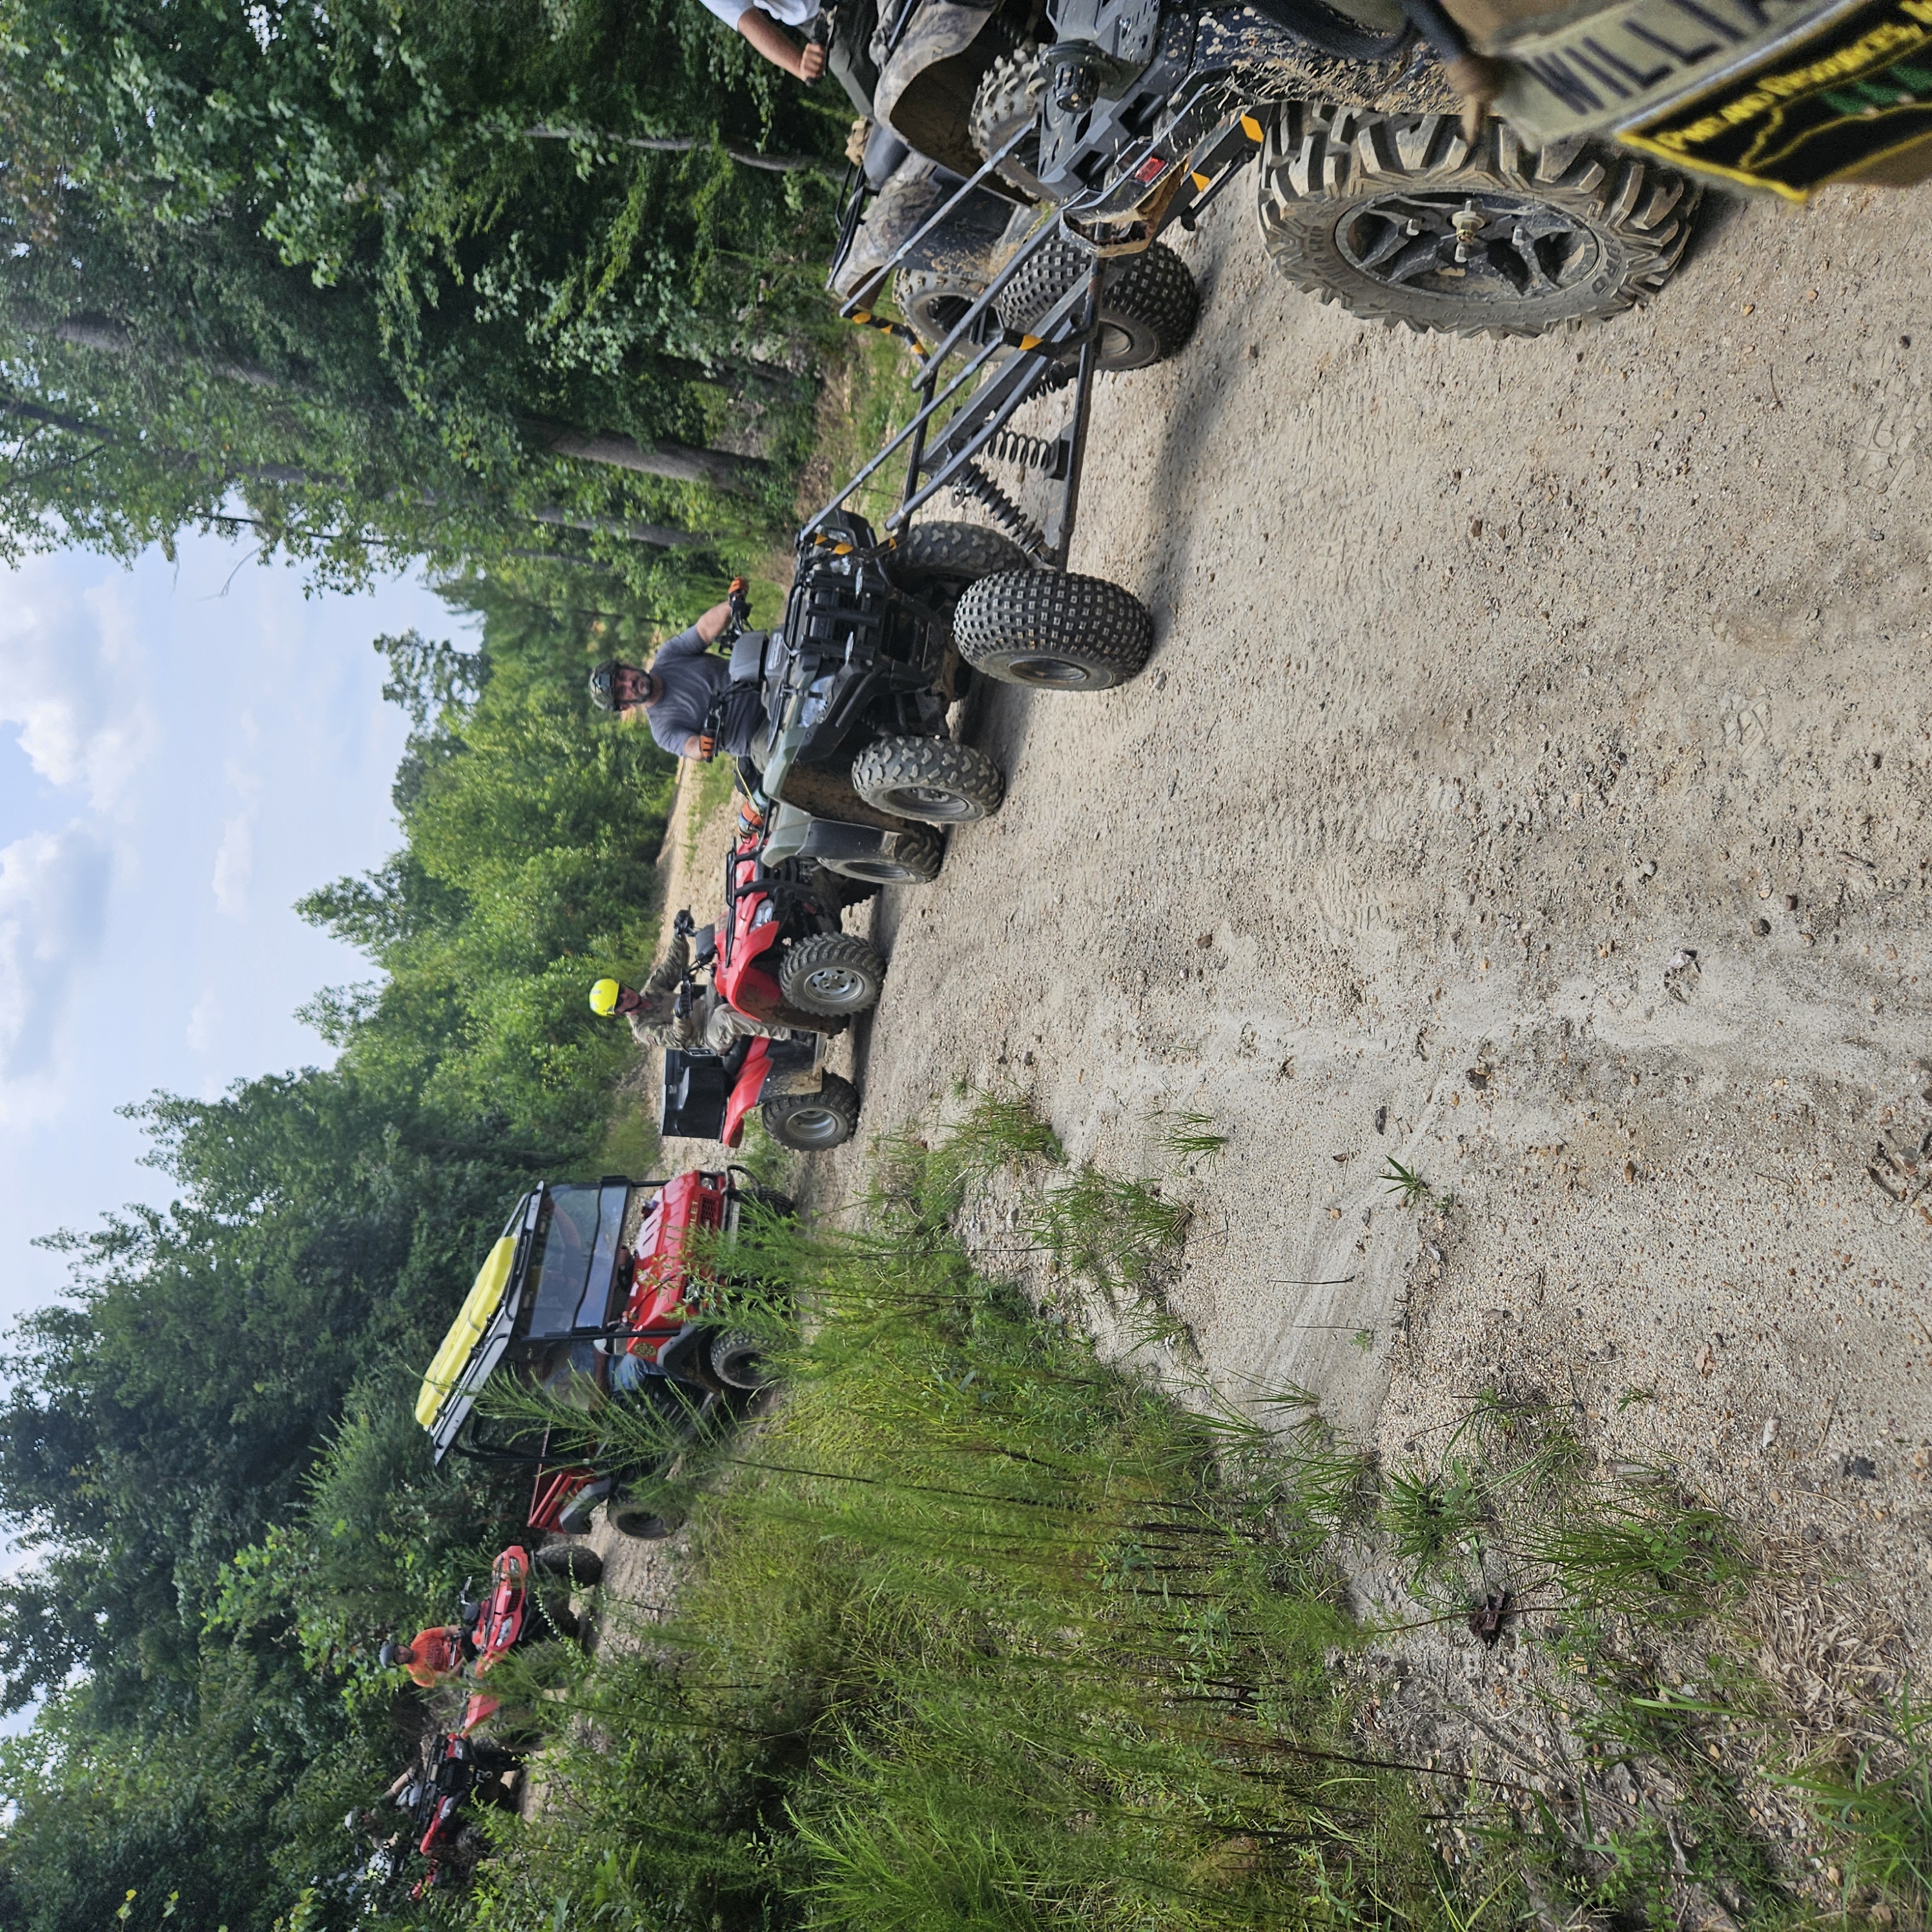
(591, 1296)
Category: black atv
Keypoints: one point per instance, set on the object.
(880, 639)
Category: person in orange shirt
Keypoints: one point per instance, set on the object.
(432, 1656)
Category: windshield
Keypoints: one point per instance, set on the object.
(572, 1274)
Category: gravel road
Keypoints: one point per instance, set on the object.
(1530, 786)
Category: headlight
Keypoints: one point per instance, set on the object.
(817, 701)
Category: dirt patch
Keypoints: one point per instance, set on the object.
(1529, 786)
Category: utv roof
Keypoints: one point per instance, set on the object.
(480, 1332)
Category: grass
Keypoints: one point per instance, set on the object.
(1407, 1184)
(979, 1633)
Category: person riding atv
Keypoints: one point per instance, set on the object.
(688, 696)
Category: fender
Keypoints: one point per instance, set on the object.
(925, 94)
(745, 1095)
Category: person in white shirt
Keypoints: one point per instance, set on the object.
(763, 22)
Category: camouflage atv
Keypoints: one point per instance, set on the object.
(1115, 113)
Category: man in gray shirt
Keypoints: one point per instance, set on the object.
(676, 694)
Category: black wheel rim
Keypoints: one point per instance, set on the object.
(1470, 245)
(933, 803)
(1044, 668)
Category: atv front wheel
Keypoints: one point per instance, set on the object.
(1053, 631)
(930, 779)
(1006, 101)
(1148, 301)
(933, 301)
(645, 1525)
(1409, 223)
(583, 1566)
(810, 1122)
(738, 1360)
(832, 975)
(906, 859)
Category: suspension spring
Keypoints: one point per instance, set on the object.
(1048, 454)
(973, 481)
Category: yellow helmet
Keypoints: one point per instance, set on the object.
(604, 998)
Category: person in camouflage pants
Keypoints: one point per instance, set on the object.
(712, 1024)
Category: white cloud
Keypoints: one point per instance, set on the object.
(201, 1021)
(71, 680)
(53, 895)
(235, 866)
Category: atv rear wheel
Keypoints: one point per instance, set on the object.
(583, 1566)
(738, 1360)
(810, 1122)
(906, 858)
(1409, 223)
(832, 975)
(1053, 631)
(1148, 302)
(937, 561)
(930, 779)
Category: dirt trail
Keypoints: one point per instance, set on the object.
(1529, 785)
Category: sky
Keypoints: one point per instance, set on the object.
(185, 749)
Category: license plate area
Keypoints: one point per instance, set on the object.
(1841, 100)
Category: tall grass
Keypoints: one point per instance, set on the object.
(978, 1632)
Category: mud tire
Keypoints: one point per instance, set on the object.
(582, 1567)
(933, 301)
(1616, 225)
(937, 561)
(832, 975)
(1007, 100)
(738, 1360)
(811, 1123)
(1148, 304)
(1050, 630)
(912, 858)
(932, 780)
(645, 1525)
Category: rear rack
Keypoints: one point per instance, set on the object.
(1162, 179)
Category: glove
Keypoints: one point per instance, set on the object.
(736, 597)
(684, 924)
(707, 748)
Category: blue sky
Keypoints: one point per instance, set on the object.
(184, 750)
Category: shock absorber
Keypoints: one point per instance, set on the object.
(973, 481)
(1048, 454)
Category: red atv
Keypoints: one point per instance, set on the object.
(461, 1771)
(512, 1614)
(782, 957)
(708, 1097)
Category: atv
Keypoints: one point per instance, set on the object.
(881, 638)
(780, 955)
(513, 1616)
(460, 1773)
(1122, 117)
(559, 1287)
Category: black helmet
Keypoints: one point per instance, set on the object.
(386, 1656)
(600, 685)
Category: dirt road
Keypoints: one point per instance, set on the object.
(1530, 786)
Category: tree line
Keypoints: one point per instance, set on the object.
(379, 282)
